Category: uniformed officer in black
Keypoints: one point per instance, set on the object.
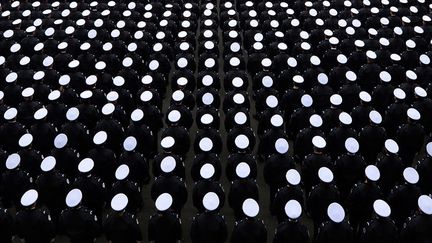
(209, 226)
(7, 224)
(121, 226)
(321, 196)
(165, 225)
(14, 182)
(424, 168)
(77, 222)
(403, 197)
(52, 187)
(249, 229)
(277, 165)
(292, 191)
(390, 166)
(292, 230)
(34, 223)
(381, 227)
(372, 137)
(417, 227)
(92, 187)
(336, 229)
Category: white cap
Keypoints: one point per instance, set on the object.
(325, 175)
(207, 171)
(241, 141)
(206, 144)
(100, 137)
(425, 204)
(420, 92)
(129, 143)
(352, 145)
(413, 114)
(48, 163)
(250, 207)
(207, 98)
(206, 119)
(168, 164)
(112, 96)
(399, 93)
(25, 140)
(119, 202)
(322, 78)
(276, 120)
(410, 44)
(210, 201)
(64, 80)
(137, 115)
(306, 100)
(385, 76)
(86, 165)
(12, 161)
(10, 113)
(146, 96)
(73, 198)
(293, 209)
(60, 140)
(298, 79)
(174, 116)
(167, 142)
(108, 109)
(11, 77)
(72, 114)
(316, 120)
(86, 94)
(272, 101)
(372, 173)
(365, 96)
(351, 76)
(178, 95)
(424, 59)
(336, 99)
(240, 118)
(267, 81)
(237, 82)
(27, 92)
(29, 197)
(375, 117)
(163, 202)
(242, 170)
(281, 145)
(122, 172)
(293, 177)
(411, 175)
(335, 212)
(391, 146)
(381, 208)
(182, 81)
(345, 118)
(319, 142)
(429, 148)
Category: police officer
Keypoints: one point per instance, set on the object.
(292, 230)
(349, 167)
(372, 137)
(241, 189)
(403, 197)
(424, 168)
(127, 187)
(76, 221)
(276, 167)
(320, 196)
(209, 226)
(249, 229)
(165, 225)
(417, 227)
(313, 162)
(33, 223)
(390, 166)
(336, 229)
(15, 181)
(92, 187)
(206, 185)
(380, 228)
(292, 191)
(52, 187)
(121, 226)
(361, 198)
